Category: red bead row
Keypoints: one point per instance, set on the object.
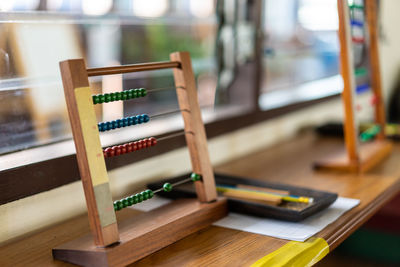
(129, 147)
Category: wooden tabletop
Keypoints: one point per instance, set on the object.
(288, 163)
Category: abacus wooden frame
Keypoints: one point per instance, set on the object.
(121, 246)
(358, 157)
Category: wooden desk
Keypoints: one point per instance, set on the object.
(214, 246)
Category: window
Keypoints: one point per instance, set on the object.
(300, 51)
(237, 71)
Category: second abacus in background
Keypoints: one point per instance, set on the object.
(359, 60)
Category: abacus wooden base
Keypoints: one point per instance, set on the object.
(370, 155)
(144, 234)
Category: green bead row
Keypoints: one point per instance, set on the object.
(117, 96)
(133, 199)
(195, 177)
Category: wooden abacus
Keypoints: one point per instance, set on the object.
(359, 157)
(135, 238)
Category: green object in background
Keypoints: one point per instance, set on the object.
(361, 72)
(370, 133)
(374, 245)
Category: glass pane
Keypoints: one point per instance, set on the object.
(300, 47)
(104, 32)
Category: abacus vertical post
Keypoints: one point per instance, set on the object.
(89, 154)
(197, 143)
(376, 83)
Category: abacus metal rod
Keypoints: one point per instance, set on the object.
(174, 184)
(169, 113)
(132, 68)
(164, 88)
(174, 135)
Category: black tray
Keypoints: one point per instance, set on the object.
(321, 201)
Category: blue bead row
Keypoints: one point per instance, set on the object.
(124, 122)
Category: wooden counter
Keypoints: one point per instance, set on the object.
(288, 163)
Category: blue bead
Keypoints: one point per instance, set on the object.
(146, 118)
(100, 126)
(120, 123)
(125, 122)
(114, 124)
(107, 126)
(134, 120)
(140, 118)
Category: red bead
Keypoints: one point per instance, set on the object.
(153, 141)
(116, 151)
(134, 146)
(144, 143)
(128, 147)
(123, 149)
(149, 143)
(105, 153)
(109, 151)
(139, 145)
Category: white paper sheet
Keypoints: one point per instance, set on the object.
(154, 203)
(299, 231)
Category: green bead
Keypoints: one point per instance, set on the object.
(195, 177)
(107, 98)
(143, 92)
(113, 96)
(144, 195)
(101, 99)
(150, 193)
(118, 96)
(167, 187)
(135, 93)
(125, 202)
(130, 94)
(119, 204)
(139, 197)
(115, 206)
(130, 200)
(134, 199)
(124, 95)
(95, 99)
